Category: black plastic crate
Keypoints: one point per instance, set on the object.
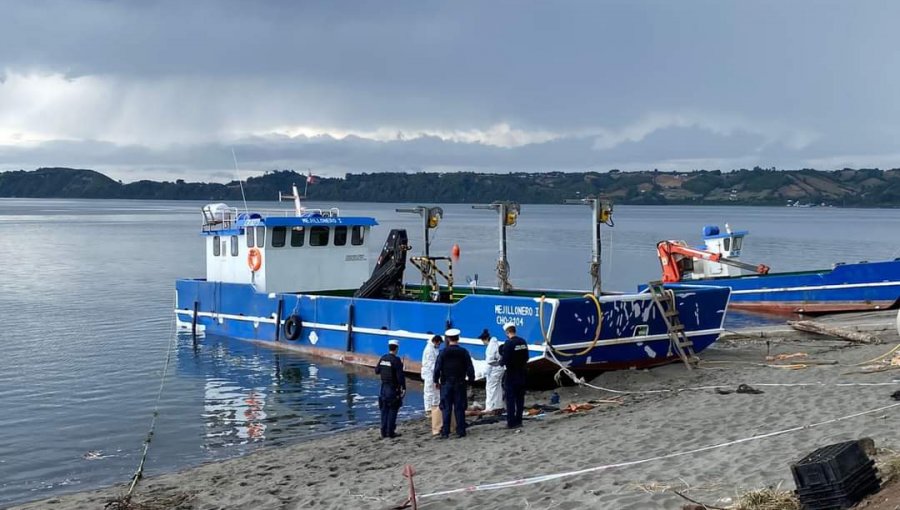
(863, 488)
(838, 500)
(829, 465)
(863, 476)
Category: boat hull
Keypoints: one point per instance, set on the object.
(847, 287)
(632, 332)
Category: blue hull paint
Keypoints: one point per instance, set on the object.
(860, 286)
(633, 333)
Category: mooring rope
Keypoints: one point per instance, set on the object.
(558, 350)
(544, 478)
(581, 382)
(162, 382)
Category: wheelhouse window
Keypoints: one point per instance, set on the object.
(357, 235)
(260, 237)
(217, 248)
(298, 236)
(340, 236)
(279, 236)
(726, 243)
(234, 246)
(738, 241)
(318, 236)
(250, 237)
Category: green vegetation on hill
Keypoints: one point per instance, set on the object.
(847, 187)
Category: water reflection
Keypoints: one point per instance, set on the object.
(253, 395)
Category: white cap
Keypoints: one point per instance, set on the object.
(394, 342)
(508, 325)
(452, 332)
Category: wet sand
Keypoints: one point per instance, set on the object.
(357, 470)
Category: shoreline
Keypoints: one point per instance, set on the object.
(355, 469)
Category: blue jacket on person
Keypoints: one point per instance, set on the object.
(454, 365)
(514, 355)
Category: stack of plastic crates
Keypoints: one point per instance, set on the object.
(835, 477)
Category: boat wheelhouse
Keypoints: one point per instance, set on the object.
(845, 287)
(276, 252)
(303, 280)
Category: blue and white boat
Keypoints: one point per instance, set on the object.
(845, 287)
(302, 280)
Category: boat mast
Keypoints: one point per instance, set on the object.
(601, 213)
(298, 207)
(508, 214)
(431, 217)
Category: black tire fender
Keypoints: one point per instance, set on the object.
(293, 327)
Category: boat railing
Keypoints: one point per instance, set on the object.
(332, 212)
(218, 217)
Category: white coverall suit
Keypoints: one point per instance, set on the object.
(493, 377)
(429, 357)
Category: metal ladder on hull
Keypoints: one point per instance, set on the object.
(665, 303)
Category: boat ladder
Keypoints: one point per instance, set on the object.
(665, 301)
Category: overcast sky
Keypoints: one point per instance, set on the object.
(165, 90)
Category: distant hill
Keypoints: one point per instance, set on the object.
(758, 186)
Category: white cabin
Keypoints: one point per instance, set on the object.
(316, 250)
(728, 244)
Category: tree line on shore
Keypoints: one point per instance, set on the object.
(756, 186)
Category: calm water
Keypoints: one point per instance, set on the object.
(86, 317)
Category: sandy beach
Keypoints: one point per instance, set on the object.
(357, 470)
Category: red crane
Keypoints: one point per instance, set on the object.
(676, 258)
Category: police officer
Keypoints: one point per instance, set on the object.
(393, 388)
(452, 369)
(514, 356)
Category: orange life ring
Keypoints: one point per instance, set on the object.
(254, 259)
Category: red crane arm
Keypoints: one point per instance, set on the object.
(669, 252)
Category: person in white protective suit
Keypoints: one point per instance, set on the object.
(493, 376)
(429, 356)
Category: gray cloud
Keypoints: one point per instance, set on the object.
(147, 88)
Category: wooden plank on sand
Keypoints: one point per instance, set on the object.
(834, 331)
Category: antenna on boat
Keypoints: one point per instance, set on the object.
(298, 207)
(240, 182)
(508, 215)
(601, 214)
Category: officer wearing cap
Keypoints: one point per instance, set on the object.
(452, 369)
(393, 388)
(514, 356)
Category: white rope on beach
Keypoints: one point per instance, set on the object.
(581, 382)
(722, 386)
(544, 478)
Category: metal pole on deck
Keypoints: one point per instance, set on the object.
(425, 218)
(504, 261)
(601, 213)
(507, 214)
(596, 212)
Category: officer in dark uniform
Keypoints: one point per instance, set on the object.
(393, 388)
(514, 356)
(452, 369)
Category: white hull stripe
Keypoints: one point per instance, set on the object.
(818, 287)
(462, 340)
